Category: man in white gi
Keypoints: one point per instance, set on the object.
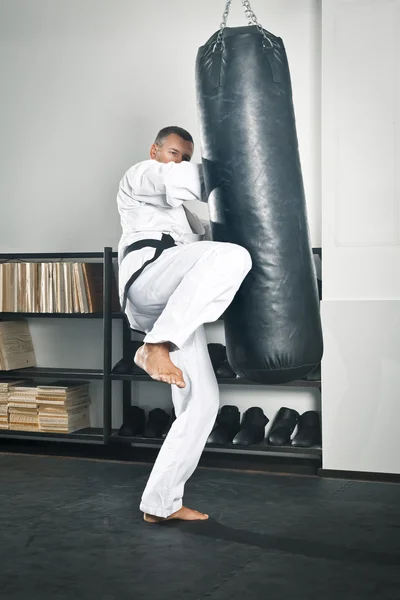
(171, 283)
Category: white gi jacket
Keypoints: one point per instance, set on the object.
(150, 201)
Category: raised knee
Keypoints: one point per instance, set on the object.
(238, 257)
(245, 258)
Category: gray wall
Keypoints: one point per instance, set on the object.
(85, 85)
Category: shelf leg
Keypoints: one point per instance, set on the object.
(126, 385)
(107, 343)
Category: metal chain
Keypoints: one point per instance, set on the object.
(223, 24)
(251, 19)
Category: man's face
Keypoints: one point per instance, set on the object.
(174, 149)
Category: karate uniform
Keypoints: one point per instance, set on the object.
(188, 285)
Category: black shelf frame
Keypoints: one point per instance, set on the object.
(303, 383)
(33, 256)
(27, 315)
(289, 452)
(90, 435)
(54, 373)
(262, 448)
(106, 435)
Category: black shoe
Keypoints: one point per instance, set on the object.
(217, 354)
(168, 427)
(283, 427)
(121, 367)
(125, 430)
(252, 429)
(134, 369)
(134, 422)
(158, 420)
(226, 426)
(309, 430)
(127, 365)
(225, 371)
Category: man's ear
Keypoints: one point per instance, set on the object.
(153, 151)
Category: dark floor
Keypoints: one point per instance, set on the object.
(70, 529)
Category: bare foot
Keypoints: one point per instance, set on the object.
(155, 360)
(183, 514)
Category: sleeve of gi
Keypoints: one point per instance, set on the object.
(167, 184)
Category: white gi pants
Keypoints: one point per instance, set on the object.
(187, 286)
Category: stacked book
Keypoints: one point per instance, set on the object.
(5, 387)
(23, 408)
(16, 347)
(53, 287)
(63, 407)
(4, 405)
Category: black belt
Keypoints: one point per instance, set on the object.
(160, 245)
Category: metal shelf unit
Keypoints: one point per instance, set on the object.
(106, 435)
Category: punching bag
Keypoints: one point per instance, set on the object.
(256, 199)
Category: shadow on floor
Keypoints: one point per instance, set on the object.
(309, 549)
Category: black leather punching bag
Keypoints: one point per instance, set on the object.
(256, 199)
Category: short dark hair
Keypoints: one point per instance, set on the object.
(166, 131)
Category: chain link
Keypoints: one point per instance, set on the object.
(223, 24)
(251, 19)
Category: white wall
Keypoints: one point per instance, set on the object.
(85, 87)
(361, 235)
